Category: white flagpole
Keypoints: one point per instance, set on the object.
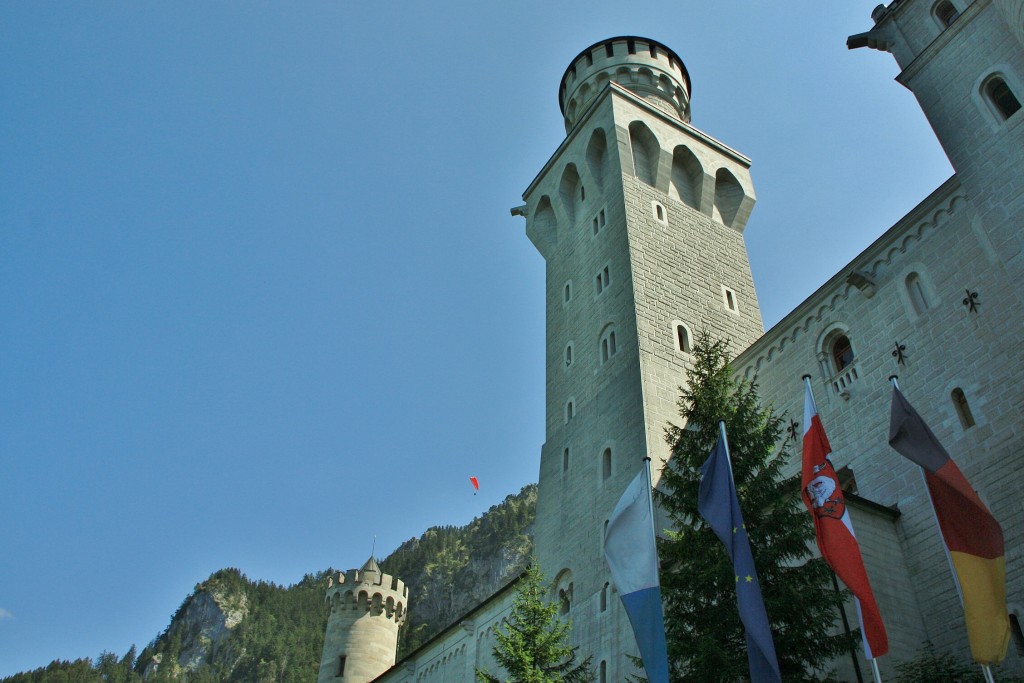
(725, 442)
(875, 673)
(985, 669)
(874, 670)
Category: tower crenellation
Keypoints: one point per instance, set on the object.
(366, 608)
(644, 66)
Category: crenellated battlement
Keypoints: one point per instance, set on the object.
(353, 577)
(356, 645)
(367, 590)
(641, 65)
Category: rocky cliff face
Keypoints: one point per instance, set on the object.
(202, 625)
(449, 570)
(233, 630)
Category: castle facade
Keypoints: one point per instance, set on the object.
(640, 217)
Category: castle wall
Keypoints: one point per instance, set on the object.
(947, 346)
(455, 653)
(639, 217)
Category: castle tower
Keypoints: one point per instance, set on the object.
(964, 62)
(639, 217)
(366, 610)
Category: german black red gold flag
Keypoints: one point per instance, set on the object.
(970, 532)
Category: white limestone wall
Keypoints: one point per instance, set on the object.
(947, 346)
(670, 204)
(454, 655)
(946, 70)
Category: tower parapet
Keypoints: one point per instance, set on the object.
(366, 609)
(644, 66)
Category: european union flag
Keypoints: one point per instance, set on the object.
(717, 503)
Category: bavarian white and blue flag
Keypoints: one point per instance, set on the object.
(718, 504)
(630, 549)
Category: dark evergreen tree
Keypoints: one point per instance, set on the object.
(532, 645)
(705, 636)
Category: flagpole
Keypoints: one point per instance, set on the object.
(725, 442)
(874, 670)
(875, 673)
(650, 505)
(985, 668)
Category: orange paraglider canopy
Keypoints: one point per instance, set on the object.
(475, 483)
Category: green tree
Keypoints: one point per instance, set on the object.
(532, 646)
(705, 636)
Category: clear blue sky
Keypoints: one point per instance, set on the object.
(261, 296)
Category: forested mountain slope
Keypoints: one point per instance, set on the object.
(231, 629)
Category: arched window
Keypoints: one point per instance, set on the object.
(567, 295)
(945, 14)
(603, 677)
(645, 152)
(659, 212)
(963, 409)
(596, 153)
(915, 290)
(569, 411)
(568, 355)
(565, 460)
(1000, 97)
(682, 338)
(842, 352)
(728, 197)
(604, 597)
(608, 345)
(568, 190)
(563, 590)
(606, 463)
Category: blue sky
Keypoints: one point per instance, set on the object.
(261, 296)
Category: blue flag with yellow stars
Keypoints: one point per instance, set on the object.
(717, 503)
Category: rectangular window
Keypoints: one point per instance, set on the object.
(602, 279)
(341, 666)
(730, 300)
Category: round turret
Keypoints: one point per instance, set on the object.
(367, 607)
(643, 66)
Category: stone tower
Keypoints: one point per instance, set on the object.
(964, 62)
(366, 610)
(639, 217)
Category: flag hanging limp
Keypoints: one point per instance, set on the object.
(632, 555)
(833, 529)
(970, 532)
(718, 504)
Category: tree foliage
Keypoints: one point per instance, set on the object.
(705, 636)
(532, 644)
(929, 666)
(280, 638)
(451, 569)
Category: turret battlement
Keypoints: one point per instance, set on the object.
(368, 578)
(366, 608)
(644, 66)
(368, 590)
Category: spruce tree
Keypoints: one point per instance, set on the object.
(705, 636)
(532, 646)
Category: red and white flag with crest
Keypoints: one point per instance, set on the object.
(824, 498)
